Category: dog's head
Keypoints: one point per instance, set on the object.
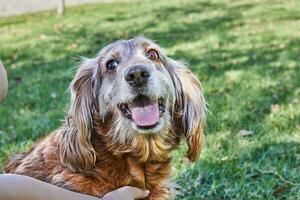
(137, 89)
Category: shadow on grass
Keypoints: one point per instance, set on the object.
(260, 64)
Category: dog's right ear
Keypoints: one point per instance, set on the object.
(76, 150)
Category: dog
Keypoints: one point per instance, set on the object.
(130, 107)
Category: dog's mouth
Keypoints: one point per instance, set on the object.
(143, 111)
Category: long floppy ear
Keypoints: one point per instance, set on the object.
(76, 150)
(189, 108)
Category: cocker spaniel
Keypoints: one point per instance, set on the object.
(130, 106)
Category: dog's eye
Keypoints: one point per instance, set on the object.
(112, 65)
(152, 54)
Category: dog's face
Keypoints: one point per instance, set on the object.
(136, 89)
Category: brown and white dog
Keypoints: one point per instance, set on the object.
(130, 107)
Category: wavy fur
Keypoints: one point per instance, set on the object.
(97, 150)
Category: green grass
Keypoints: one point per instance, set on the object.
(246, 53)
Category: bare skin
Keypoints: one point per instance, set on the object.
(3, 83)
(18, 187)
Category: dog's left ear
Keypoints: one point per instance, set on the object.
(76, 150)
(189, 106)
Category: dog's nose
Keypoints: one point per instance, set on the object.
(137, 75)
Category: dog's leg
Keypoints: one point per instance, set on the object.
(161, 193)
(158, 181)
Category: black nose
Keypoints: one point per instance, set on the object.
(137, 75)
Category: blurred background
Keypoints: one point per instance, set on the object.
(246, 54)
(18, 7)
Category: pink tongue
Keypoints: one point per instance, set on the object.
(145, 116)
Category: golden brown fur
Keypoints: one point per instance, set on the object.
(95, 151)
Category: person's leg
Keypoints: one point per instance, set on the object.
(18, 187)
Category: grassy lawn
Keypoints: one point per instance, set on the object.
(246, 53)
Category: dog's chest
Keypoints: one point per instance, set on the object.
(148, 175)
(129, 171)
(137, 171)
